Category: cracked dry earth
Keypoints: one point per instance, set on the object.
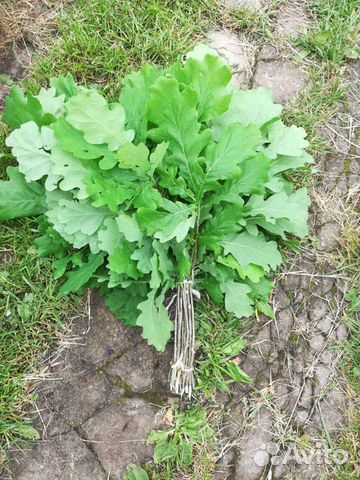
(104, 388)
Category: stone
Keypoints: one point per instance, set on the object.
(63, 457)
(238, 52)
(322, 377)
(268, 53)
(291, 282)
(306, 396)
(317, 342)
(78, 400)
(262, 341)
(252, 458)
(292, 21)
(66, 368)
(282, 325)
(48, 422)
(163, 362)
(318, 309)
(281, 299)
(324, 325)
(135, 368)
(251, 5)
(328, 236)
(281, 393)
(118, 435)
(105, 337)
(282, 77)
(224, 466)
(301, 416)
(4, 92)
(342, 333)
(333, 410)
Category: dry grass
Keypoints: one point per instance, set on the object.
(26, 23)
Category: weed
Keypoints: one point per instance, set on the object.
(220, 340)
(338, 26)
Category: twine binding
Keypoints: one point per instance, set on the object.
(182, 370)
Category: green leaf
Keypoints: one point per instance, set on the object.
(157, 156)
(253, 272)
(71, 171)
(51, 103)
(283, 163)
(65, 86)
(29, 146)
(247, 107)
(286, 140)
(78, 278)
(26, 431)
(164, 451)
(175, 222)
(133, 472)
(224, 158)
(79, 217)
(256, 250)
(120, 261)
(19, 198)
(225, 221)
(109, 236)
(209, 75)
(155, 321)
(123, 302)
(72, 141)
(237, 300)
(174, 113)
(134, 157)
(129, 227)
(237, 374)
(134, 98)
(143, 256)
(293, 208)
(21, 108)
(89, 112)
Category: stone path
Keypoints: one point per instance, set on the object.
(105, 387)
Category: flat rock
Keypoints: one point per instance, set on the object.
(282, 77)
(252, 5)
(76, 401)
(238, 52)
(64, 457)
(119, 435)
(252, 457)
(328, 236)
(105, 337)
(135, 368)
(268, 53)
(318, 310)
(292, 21)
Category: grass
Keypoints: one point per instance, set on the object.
(220, 341)
(100, 41)
(335, 38)
(332, 42)
(32, 315)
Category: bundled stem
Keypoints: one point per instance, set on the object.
(182, 371)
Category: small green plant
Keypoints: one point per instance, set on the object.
(175, 448)
(220, 340)
(336, 38)
(180, 179)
